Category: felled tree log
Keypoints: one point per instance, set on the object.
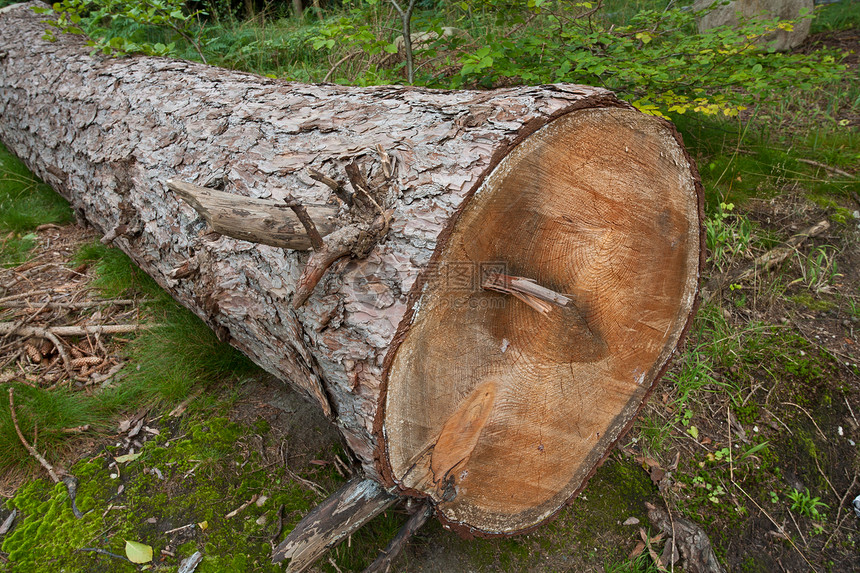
(498, 279)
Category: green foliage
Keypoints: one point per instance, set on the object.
(119, 27)
(727, 235)
(841, 15)
(281, 49)
(803, 502)
(818, 269)
(655, 58)
(649, 55)
(25, 203)
(42, 414)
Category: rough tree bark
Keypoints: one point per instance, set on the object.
(520, 264)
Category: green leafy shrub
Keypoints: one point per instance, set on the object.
(117, 27)
(655, 59)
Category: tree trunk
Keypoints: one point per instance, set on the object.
(500, 286)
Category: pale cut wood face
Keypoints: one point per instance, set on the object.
(499, 412)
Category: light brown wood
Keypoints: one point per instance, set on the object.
(516, 407)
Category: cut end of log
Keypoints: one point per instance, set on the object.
(498, 413)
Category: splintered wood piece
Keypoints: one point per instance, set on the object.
(497, 413)
(386, 559)
(257, 220)
(342, 513)
(527, 291)
(459, 436)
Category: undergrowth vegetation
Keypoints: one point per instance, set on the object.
(25, 203)
(651, 56)
(753, 411)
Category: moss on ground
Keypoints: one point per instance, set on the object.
(201, 476)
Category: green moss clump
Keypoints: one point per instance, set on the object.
(202, 479)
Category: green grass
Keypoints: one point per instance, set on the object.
(117, 275)
(181, 353)
(842, 15)
(47, 537)
(166, 362)
(25, 203)
(46, 412)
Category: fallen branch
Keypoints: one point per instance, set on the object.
(180, 528)
(9, 328)
(828, 168)
(383, 563)
(354, 504)
(274, 539)
(242, 507)
(767, 261)
(73, 305)
(71, 483)
(103, 552)
(24, 441)
(25, 295)
(76, 429)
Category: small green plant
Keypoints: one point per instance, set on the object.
(727, 235)
(818, 269)
(712, 492)
(641, 564)
(803, 502)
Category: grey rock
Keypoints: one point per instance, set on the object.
(781, 40)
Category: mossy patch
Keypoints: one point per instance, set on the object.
(196, 476)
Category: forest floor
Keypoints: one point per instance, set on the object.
(751, 436)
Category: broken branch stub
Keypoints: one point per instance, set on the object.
(446, 390)
(255, 220)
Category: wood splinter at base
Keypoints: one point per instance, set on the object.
(536, 296)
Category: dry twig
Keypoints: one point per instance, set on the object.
(24, 441)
